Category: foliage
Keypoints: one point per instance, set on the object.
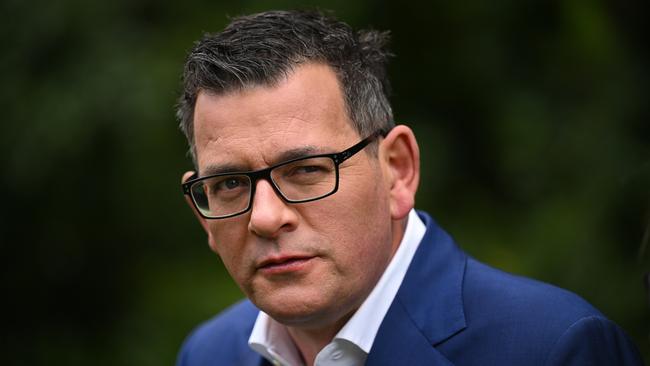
(532, 119)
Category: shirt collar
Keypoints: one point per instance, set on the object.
(271, 339)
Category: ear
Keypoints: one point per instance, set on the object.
(400, 157)
(202, 220)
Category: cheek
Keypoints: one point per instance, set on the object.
(357, 222)
(227, 241)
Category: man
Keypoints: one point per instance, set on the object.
(306, 188)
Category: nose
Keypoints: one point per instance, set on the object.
(270, 214)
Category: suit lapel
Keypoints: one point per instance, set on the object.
(428, 307)
(401, 342)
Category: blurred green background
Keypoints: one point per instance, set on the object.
(532, 117)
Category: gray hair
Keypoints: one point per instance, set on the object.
(261, 49)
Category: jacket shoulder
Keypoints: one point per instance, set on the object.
(529, 322)
(222, 340)
(502, 296)
(594, 341)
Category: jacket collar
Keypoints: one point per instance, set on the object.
(428, 308)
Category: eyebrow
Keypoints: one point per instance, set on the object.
(291, 154)
(220, 169)
(296, 153)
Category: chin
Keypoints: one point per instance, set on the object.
(300, 312)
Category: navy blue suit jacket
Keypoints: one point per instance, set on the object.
(452, 310)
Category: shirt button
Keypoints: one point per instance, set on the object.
(336, 355)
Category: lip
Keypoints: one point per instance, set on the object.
(284, 264)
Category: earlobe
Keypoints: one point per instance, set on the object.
(401, 156)
(201, 219)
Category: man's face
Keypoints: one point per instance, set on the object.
(309, 264)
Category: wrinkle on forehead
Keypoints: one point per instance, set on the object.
(266, 144)
(255, 126)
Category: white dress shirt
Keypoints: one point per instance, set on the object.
(352, 343)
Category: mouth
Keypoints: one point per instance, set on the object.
(284, 264)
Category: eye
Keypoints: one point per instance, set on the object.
(232, 183)
(307, 169)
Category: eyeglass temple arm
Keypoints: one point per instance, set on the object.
(363, 143)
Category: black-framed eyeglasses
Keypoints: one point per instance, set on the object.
(305, 179)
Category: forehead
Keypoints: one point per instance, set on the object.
(255, 126)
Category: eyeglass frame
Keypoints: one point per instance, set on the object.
(255, 175)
